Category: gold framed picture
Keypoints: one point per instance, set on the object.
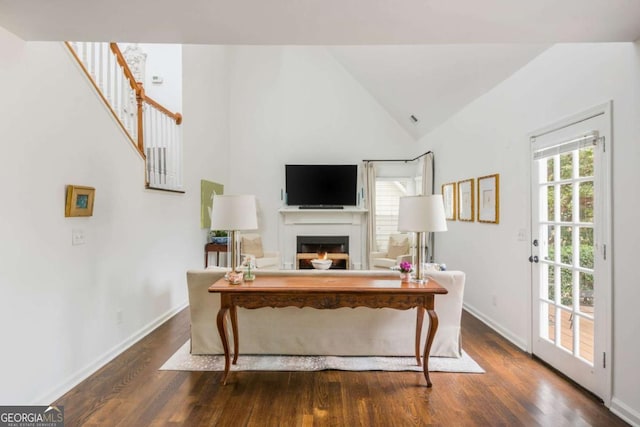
(449, 198)
(466, 205)
(79, 201)
(489, 198)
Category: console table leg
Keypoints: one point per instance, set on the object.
(419, 322)
(433, 327)
(234, 328)
(222, 330)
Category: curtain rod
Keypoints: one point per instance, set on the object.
(398, 160)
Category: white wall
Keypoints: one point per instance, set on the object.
(490, 136)
(58, 302)
(164, 60)
(206, 111)
(299, 105)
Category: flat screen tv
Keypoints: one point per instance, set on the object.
(321, 185)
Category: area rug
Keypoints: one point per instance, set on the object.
(182, 360)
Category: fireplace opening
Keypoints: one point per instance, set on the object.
(335, 248)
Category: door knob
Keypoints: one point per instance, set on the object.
(533, 258)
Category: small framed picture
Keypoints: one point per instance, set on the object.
(79, 201)
(449, 198)
(466, 205)
(489, 199)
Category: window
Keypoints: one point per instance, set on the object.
(388, 193)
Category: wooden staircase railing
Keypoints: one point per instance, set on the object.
(154, 131)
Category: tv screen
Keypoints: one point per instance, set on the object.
(321, 185)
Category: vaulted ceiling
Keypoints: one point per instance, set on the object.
(426, 58)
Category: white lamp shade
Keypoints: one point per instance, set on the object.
(422, 213)
(234, 213)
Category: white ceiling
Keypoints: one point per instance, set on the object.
(432, 82)
(428, 58)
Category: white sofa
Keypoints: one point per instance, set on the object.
(344, 331)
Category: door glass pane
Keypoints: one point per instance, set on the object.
(586, 339)
(586, 201)
(586, 293)
(547, 320)
(586, 162)
(566, 244)
(550, 171)
(586, 247)
(566, 287)
(551, 203)
(566, 166)
(566, 330)
(549, 248)
(566, 202)
(550, 289)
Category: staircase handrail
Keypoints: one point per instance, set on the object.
(134, 130)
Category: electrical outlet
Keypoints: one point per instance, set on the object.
(77, 237)
(494, 300)
(119, 316)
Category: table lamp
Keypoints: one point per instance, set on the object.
(421, 214)
(234, 213)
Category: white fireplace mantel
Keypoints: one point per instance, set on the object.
(347, 215)
(350, 221)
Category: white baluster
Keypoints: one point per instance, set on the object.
(123, 97)
(93, 60)
(84, 53)
(100, 65)
(109, 72)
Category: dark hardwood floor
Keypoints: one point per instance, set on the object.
(515, 391)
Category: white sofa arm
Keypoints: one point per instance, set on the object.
(448, 340)
(203, 309)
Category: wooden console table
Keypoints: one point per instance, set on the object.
(326, 292)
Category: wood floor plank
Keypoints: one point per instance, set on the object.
(515, 390)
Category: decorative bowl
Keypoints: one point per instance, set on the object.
(321, 264)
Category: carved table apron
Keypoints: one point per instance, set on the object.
(327, 292)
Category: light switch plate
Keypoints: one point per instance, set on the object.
(77, 237)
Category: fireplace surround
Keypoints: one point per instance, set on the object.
(323, 222)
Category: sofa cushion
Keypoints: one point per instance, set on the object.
(251, 245)
(398, 245)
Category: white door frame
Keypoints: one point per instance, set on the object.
(604, 249)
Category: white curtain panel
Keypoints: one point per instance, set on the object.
(427, 190)
(370, 197)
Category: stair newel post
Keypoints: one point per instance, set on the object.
(140, 101)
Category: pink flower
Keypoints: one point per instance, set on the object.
(406, 267)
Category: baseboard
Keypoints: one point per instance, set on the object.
(507, 334)
(625, 412)
(84, 373)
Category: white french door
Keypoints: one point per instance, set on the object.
(571, 279)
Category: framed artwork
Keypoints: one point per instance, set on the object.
(207, 190)
(79, 201)
(466, 205)
(449, 198)
(489, 199)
